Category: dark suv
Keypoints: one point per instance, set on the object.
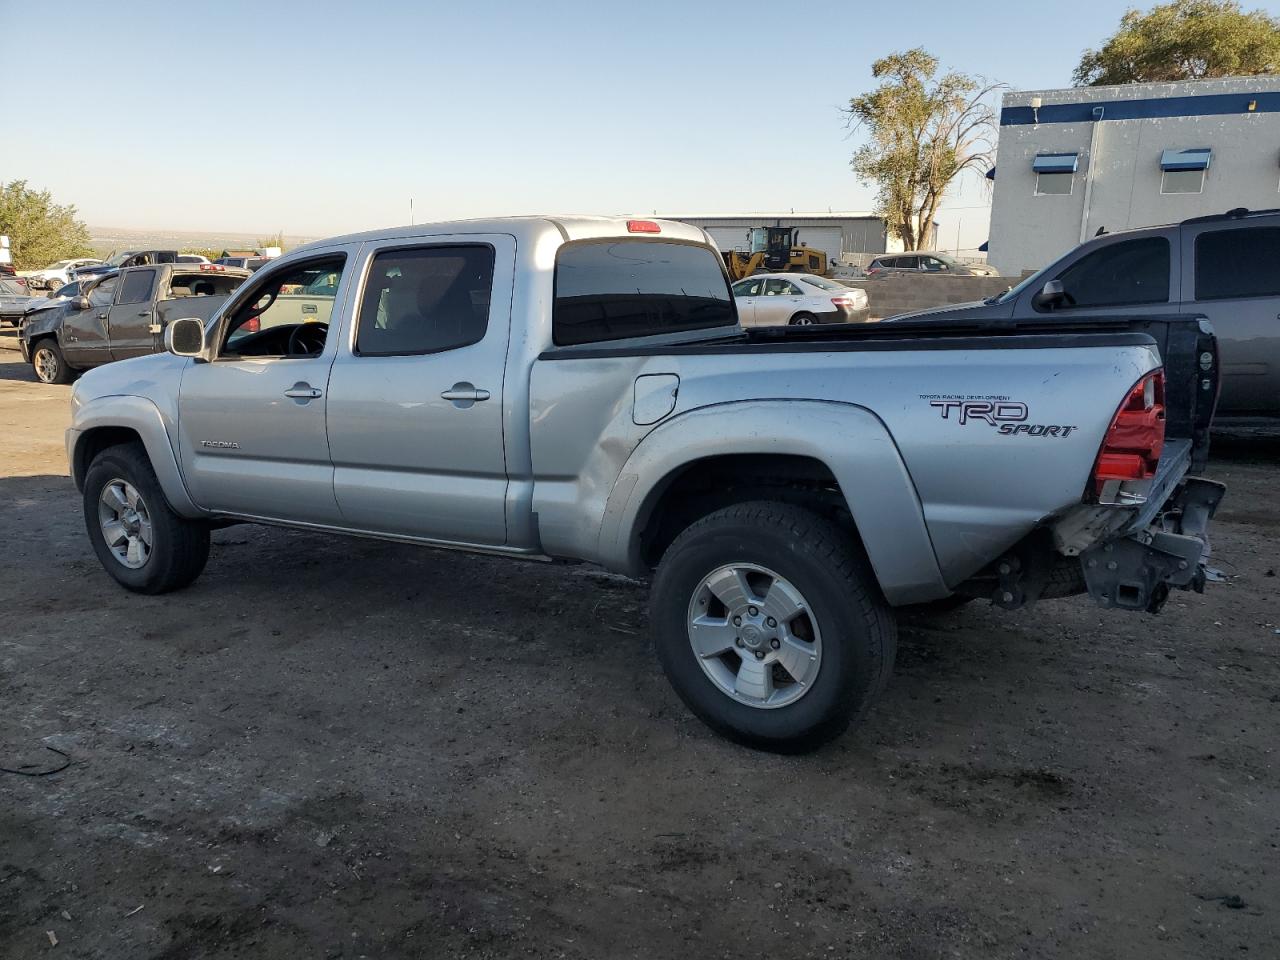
(1224, 266)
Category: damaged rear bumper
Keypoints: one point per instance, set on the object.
(1166, 546)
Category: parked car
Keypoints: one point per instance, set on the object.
(7, 270)
(1223, 267)
(244, 263)
(120, 315)
(56, 274)
(192, 258)
(580, 389)
(926, 262)
(15, 300)
(125, 258)
(799, 299)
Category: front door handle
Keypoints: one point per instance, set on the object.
(464, 394)
(302, 392)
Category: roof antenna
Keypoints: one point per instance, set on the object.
(1101, 231)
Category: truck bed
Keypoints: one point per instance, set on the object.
(1183, 341)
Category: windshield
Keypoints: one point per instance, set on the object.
(118, 258)
(9, 288)
(60, 264)
(1013, 292)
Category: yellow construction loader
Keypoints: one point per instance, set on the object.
(774, 250)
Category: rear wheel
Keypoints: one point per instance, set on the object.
(138, 538)
(48, 364)
(803, 320)
(770, 626)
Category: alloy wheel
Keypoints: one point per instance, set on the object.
(126, 523)
(755, 636)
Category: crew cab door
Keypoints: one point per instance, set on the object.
(1233, 279)
(84, 332)
(251, 422)
(416, 394)
(129, 321)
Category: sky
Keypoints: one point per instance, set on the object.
(319, 118)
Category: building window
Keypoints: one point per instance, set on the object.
(1182, 171)
(1182, 181)
(1054, 184)
(1055, 173)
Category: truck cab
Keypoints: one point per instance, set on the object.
(121, 315)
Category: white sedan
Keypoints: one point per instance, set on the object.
(56, 274)
(778, 299)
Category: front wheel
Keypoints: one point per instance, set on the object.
(53, 283)
(138, 538)
(48, 364)
(770, 626)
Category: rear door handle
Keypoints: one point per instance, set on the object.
(303, 391)
(464, 394)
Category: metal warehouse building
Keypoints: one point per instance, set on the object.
(847, 237)
(1072, 162)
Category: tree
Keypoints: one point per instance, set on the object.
(1185, 40)
(923, 133)
(276, 241)
(39, 230)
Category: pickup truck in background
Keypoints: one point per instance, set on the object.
(580, 389)
(120, 315)
(120, 259)
(1225, 268)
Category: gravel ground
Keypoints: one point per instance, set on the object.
(338, 748)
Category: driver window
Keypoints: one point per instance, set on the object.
(287, 313)
(1120, 274)
(104, 293)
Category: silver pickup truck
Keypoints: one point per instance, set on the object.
(579, 389)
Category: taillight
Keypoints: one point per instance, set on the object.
(1134, 441)
(252, 325)
(842, 301)
(643, 226)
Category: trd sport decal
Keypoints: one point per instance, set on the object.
(1009, 417)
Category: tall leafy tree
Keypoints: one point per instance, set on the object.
(923, 131)
(39, 230)
(1185, 40)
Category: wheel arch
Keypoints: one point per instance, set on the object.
(834, 456)
(125, 419)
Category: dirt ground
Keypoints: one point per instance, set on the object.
(337, 748)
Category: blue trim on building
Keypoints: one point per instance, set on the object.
(1210, 105)
(1056, 162)
(1197, 159)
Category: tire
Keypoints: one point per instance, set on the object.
(48, 363)
(179, 547)
(802, 319)
(851, 628)
(52, 284)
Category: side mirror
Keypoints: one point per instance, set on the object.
(185, 337)
(1051, 295)
(80, 303)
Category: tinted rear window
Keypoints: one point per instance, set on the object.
(1238, 263)
(613, 289)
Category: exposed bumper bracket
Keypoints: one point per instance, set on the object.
(1136, 571)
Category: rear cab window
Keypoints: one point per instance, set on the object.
(1238, 264)
(621, 288)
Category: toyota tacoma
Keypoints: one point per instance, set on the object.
(580, 389)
